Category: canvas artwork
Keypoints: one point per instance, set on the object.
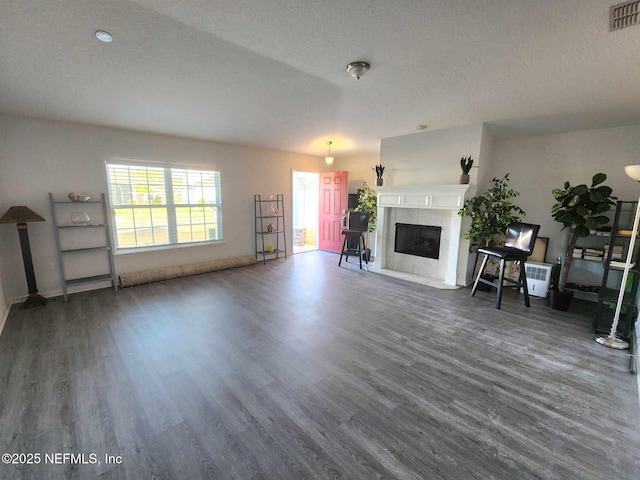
(512, 270)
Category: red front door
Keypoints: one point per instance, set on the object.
(334, 188)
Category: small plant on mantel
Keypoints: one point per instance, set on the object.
(379, 169)
(465, 165)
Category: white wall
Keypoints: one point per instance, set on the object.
(539, 164)
(4, 305)
(431, 157)
(359, 169)
(482, 165)
(38, 156)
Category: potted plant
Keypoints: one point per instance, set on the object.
(581, 209)
(465, 164)
(367, 202)
(491, 213)
(379, 169)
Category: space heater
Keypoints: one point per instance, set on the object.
(538, 278)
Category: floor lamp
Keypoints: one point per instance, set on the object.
(20, 216)
(612, 340)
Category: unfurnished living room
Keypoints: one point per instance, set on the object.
(247, 240)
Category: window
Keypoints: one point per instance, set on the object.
(154, 205)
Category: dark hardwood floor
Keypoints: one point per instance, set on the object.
(300, 369)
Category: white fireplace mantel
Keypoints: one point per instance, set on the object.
(445, 197)
(448, 198)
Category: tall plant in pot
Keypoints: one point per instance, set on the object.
(368, 203)
(581, 209)
(491, 213)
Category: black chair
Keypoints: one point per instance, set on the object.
(354, 243)
(518, 245)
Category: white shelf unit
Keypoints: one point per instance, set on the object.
(66, 248)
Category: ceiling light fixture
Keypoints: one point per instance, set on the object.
(104, 36)
(421, 127)
(357, 69)
(329, 159)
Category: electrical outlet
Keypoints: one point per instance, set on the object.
(49, 266)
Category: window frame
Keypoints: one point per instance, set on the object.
(170, 171)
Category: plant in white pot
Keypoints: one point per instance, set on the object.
(579, 208)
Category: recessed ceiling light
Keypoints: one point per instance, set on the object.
(104, 36)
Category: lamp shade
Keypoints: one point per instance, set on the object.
(20, 214)
(633, 171)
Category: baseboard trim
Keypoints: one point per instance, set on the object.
(131, 279)
(75, 289)
(5, 315)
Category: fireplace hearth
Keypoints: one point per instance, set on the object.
(418, 240)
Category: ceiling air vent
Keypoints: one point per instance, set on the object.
(624, 15)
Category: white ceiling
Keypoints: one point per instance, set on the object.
(272, 73)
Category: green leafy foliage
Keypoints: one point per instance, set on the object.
(368, 202)
(491, 213)
(581, 209)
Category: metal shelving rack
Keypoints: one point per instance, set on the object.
(609, 291)
(271, 210)
(63, 252)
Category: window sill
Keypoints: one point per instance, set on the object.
(164, 248)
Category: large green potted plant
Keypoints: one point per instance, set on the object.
(491, 213)
(579, 208)
(368, 203)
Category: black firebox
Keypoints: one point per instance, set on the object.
(419, 240)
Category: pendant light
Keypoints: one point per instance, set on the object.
(329, 159)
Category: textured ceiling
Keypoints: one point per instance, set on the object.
(272, 73)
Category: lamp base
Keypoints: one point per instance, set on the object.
(34, 300)
(613, 342)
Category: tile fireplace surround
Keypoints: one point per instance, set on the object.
(435, 205)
